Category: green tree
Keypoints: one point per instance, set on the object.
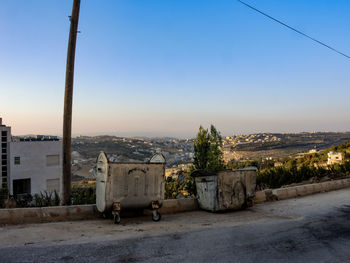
(207, 150)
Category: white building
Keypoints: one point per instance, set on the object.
(334, 158)
(30, 165)
(5, 138)
(35, 166)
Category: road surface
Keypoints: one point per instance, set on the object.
(310, 229)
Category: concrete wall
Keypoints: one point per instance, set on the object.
(300, 190)
(80, 212)
(171, 206)
(33, 163)
(47, 214)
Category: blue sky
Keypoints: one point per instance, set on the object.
(164, 67)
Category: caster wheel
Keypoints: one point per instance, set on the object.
(156, 216)
(116, 218)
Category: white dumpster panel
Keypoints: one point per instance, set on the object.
(101, 179)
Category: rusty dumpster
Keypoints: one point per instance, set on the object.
(129, 185)
(226, 189)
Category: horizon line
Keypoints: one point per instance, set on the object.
(123, 134)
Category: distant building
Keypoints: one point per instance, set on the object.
(5, 139)
(278, 164)
(334, 158)
(313, 151)
(228, 156)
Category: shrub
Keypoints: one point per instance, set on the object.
(174, 187)
(47, 199)
(83, 195)
(4, 194)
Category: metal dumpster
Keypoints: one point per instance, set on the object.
(130, 186)
(225, 190)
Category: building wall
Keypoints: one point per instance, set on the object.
(334, 158)
(4, 154)
(35, 165)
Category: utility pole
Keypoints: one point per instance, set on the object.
(68, 101)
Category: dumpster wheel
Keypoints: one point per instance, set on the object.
(156, 216)
(116, 218)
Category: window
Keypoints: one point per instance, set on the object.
(53, 185)
(17, 160)
(52, 160)
(21, 186)
(4, 183)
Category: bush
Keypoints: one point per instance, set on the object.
(24, 200)
(47, 199)
(83, 195)
(4, 194)
(174, 187)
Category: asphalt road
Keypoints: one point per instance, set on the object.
(310, 229)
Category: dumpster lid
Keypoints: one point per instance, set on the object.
(248, 168)
(157, 158)
(197, 173)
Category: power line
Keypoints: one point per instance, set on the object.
(296, 30)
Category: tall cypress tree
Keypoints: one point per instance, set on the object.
(201, 149)
(207, 150)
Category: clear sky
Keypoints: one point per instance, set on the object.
(163, 67)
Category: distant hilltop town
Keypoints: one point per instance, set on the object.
(277, 145)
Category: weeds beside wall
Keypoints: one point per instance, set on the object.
(277, 177)
(83, 195)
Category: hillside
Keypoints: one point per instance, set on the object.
(278, 145)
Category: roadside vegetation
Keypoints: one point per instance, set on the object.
(311, 167)
(291, 173)
(81, 195)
